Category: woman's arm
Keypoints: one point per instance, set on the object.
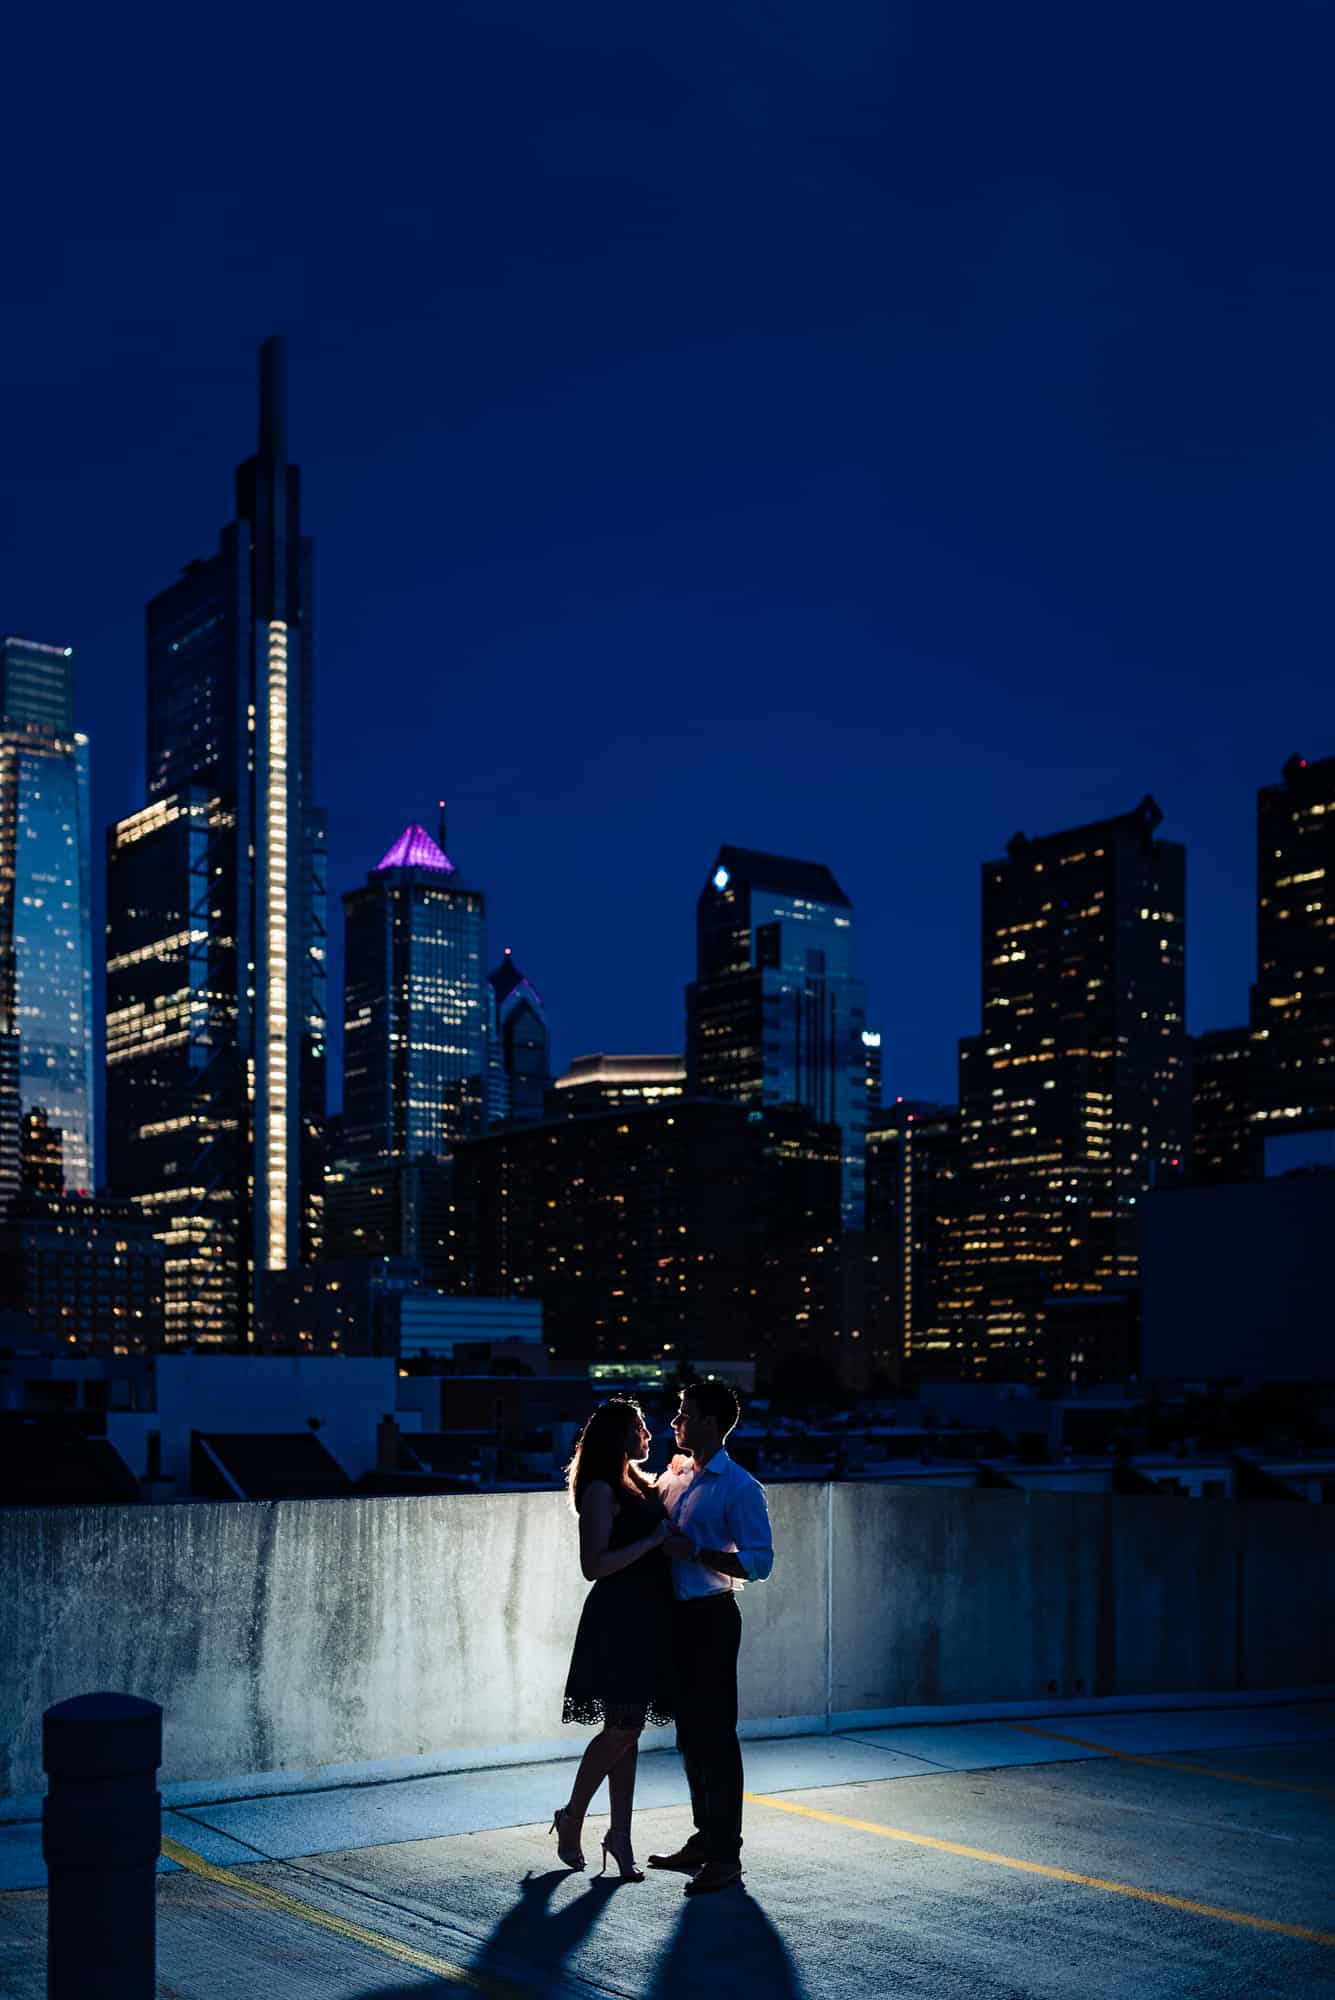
(596, 1560)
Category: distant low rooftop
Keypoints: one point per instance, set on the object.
(623, 1070)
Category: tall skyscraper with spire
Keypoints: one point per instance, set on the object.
(216, 913)
(46, 972)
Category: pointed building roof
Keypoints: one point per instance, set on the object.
(507, 979)
(415, 848)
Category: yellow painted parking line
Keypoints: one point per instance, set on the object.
(309, 1913)
(1166, 1764)
(1055, 1874)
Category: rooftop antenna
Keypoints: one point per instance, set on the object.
(440, 834)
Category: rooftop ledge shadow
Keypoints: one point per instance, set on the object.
(336, 1641)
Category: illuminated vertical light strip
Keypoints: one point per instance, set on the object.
(275, 943)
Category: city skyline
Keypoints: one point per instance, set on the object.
(833, 443)
(577, 1048)
(1224, 1006)
(1009, 1238)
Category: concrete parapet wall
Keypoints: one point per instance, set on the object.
(300, 1636)
(961, 1596)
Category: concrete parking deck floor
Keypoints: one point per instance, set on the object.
(1131, 1856)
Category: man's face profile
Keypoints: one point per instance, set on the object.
(687, 1425)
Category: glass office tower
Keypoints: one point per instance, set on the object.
(37, 686)
(215, 913)
(776, 1012)
(521, 1042)
(176, 1069)
(913, 1165)
(1076, 1095)
(46, 984)
(415, 1018)
(1225, 1146)
(1292, 1056)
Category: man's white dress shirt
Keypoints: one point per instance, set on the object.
(720, 1507)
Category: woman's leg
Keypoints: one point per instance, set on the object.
(621, 1786)
(602, 1754)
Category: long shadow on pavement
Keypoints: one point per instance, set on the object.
(528, 1947)
(726, 1941)
(726, 1937)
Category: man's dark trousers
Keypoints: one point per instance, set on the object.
(707, 1633)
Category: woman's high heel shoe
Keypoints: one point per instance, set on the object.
(572, 1856)
(618, 1846)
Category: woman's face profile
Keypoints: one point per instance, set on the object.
(638, 1440)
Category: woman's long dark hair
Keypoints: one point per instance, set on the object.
(602, 1451)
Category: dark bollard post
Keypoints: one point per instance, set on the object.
(101, 1836)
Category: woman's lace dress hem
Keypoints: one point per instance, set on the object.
(616, 1715)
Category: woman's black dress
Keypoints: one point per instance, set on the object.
(621, 1667)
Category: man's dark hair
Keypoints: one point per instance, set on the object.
(715, 1399)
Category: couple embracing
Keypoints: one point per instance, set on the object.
(660, 1630)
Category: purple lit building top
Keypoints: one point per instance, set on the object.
(415, 848)
(416, 1042)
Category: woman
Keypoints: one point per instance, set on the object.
(621, 1666)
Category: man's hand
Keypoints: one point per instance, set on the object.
(681, 1461)
(680, 1547)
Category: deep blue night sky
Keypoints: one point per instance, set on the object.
(859, 431)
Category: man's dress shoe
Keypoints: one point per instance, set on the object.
(688, 1857)
(714, 1875)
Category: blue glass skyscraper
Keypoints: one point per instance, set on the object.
(46, 1027)
(415, 1017)
(776, 1012)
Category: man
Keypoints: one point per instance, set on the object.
(721, 1542)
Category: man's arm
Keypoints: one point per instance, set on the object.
(748, 1517)
(684, 1548)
